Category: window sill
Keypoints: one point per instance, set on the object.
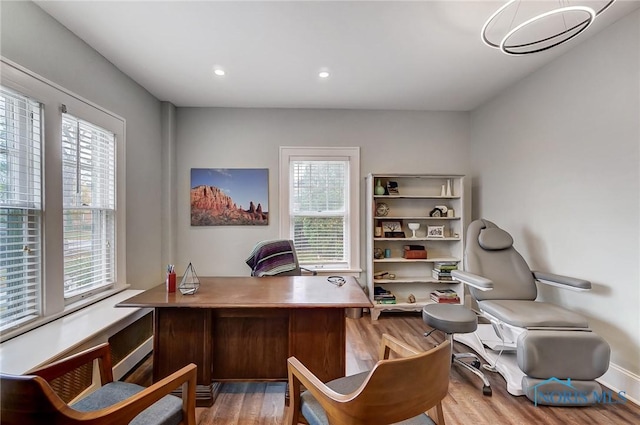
(68, 309)
(73, 331)
(326, 271)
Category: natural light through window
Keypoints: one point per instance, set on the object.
(319, 204)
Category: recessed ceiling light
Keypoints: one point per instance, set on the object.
(323, 74)
(219, 72)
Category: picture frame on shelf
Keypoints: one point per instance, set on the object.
(435, 231)
(436, 212)
(392, 188)
(392, 229)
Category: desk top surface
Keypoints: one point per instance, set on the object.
(257, 292)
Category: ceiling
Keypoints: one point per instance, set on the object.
(417, 55)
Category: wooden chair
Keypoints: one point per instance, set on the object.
(395, 390)
(29, 399)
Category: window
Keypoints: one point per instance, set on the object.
(62, 215)
(88, 175)
(20, 208)
(319, 205)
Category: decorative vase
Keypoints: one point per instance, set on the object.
(442, 191)
(449, 188)
(379, 188)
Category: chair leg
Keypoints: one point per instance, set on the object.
(486, 389)
(474, 367)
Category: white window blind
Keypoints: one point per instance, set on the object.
(20, 209)
(319, 210)
(89, 206)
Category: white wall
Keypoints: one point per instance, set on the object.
(556, 163)
(390, 141)
(34, 40)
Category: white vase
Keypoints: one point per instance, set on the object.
(442, 191)
(449, 188)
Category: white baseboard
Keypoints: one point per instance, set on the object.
(618, 379)
(126, 364)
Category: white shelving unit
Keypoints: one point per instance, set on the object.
(417, 196)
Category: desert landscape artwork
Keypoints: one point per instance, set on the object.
(229, 196)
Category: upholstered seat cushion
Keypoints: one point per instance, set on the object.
(314, 414)
(450, 318)
(166, 411)
(579, 355)
(532, 314)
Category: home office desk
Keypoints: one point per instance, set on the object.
(245, 328)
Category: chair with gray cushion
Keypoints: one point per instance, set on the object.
(550, 343)
(456, 319)
(29, 399)
(398, 390)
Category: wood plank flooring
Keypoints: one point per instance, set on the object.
(263, 403)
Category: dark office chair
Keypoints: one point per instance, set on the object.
(29, 399)
(398, 390)
(275, 258)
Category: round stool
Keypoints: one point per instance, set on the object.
(453, 319)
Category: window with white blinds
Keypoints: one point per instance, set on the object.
(319, 210)
(319, 205)
(62, 202)
(89, 206)
(20, 209)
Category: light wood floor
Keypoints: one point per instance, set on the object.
(263, 403)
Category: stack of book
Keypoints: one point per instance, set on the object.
(414, 252)
(442, 270)
(383, 296)
(445, 296)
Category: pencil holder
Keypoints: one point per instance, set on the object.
(171, 282)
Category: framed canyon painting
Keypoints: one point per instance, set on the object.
(229, 196)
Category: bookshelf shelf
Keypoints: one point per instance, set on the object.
(418, 196)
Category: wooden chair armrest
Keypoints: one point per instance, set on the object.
(66, 365)
(126, 410)
(389, 343)
(300, 375)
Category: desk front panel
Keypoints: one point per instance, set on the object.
(318, 340)
(182, 336)
(250, 344)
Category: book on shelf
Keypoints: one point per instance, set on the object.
(445, 300)
(383, 296)
(447, 262)
(393, 301)
(441, 275)
(447, 292)
(445, 296)
(445, 266)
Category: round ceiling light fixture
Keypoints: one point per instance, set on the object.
(525, 27)
(323, 74)
(219, 72)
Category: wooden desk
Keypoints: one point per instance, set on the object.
(245, 328)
